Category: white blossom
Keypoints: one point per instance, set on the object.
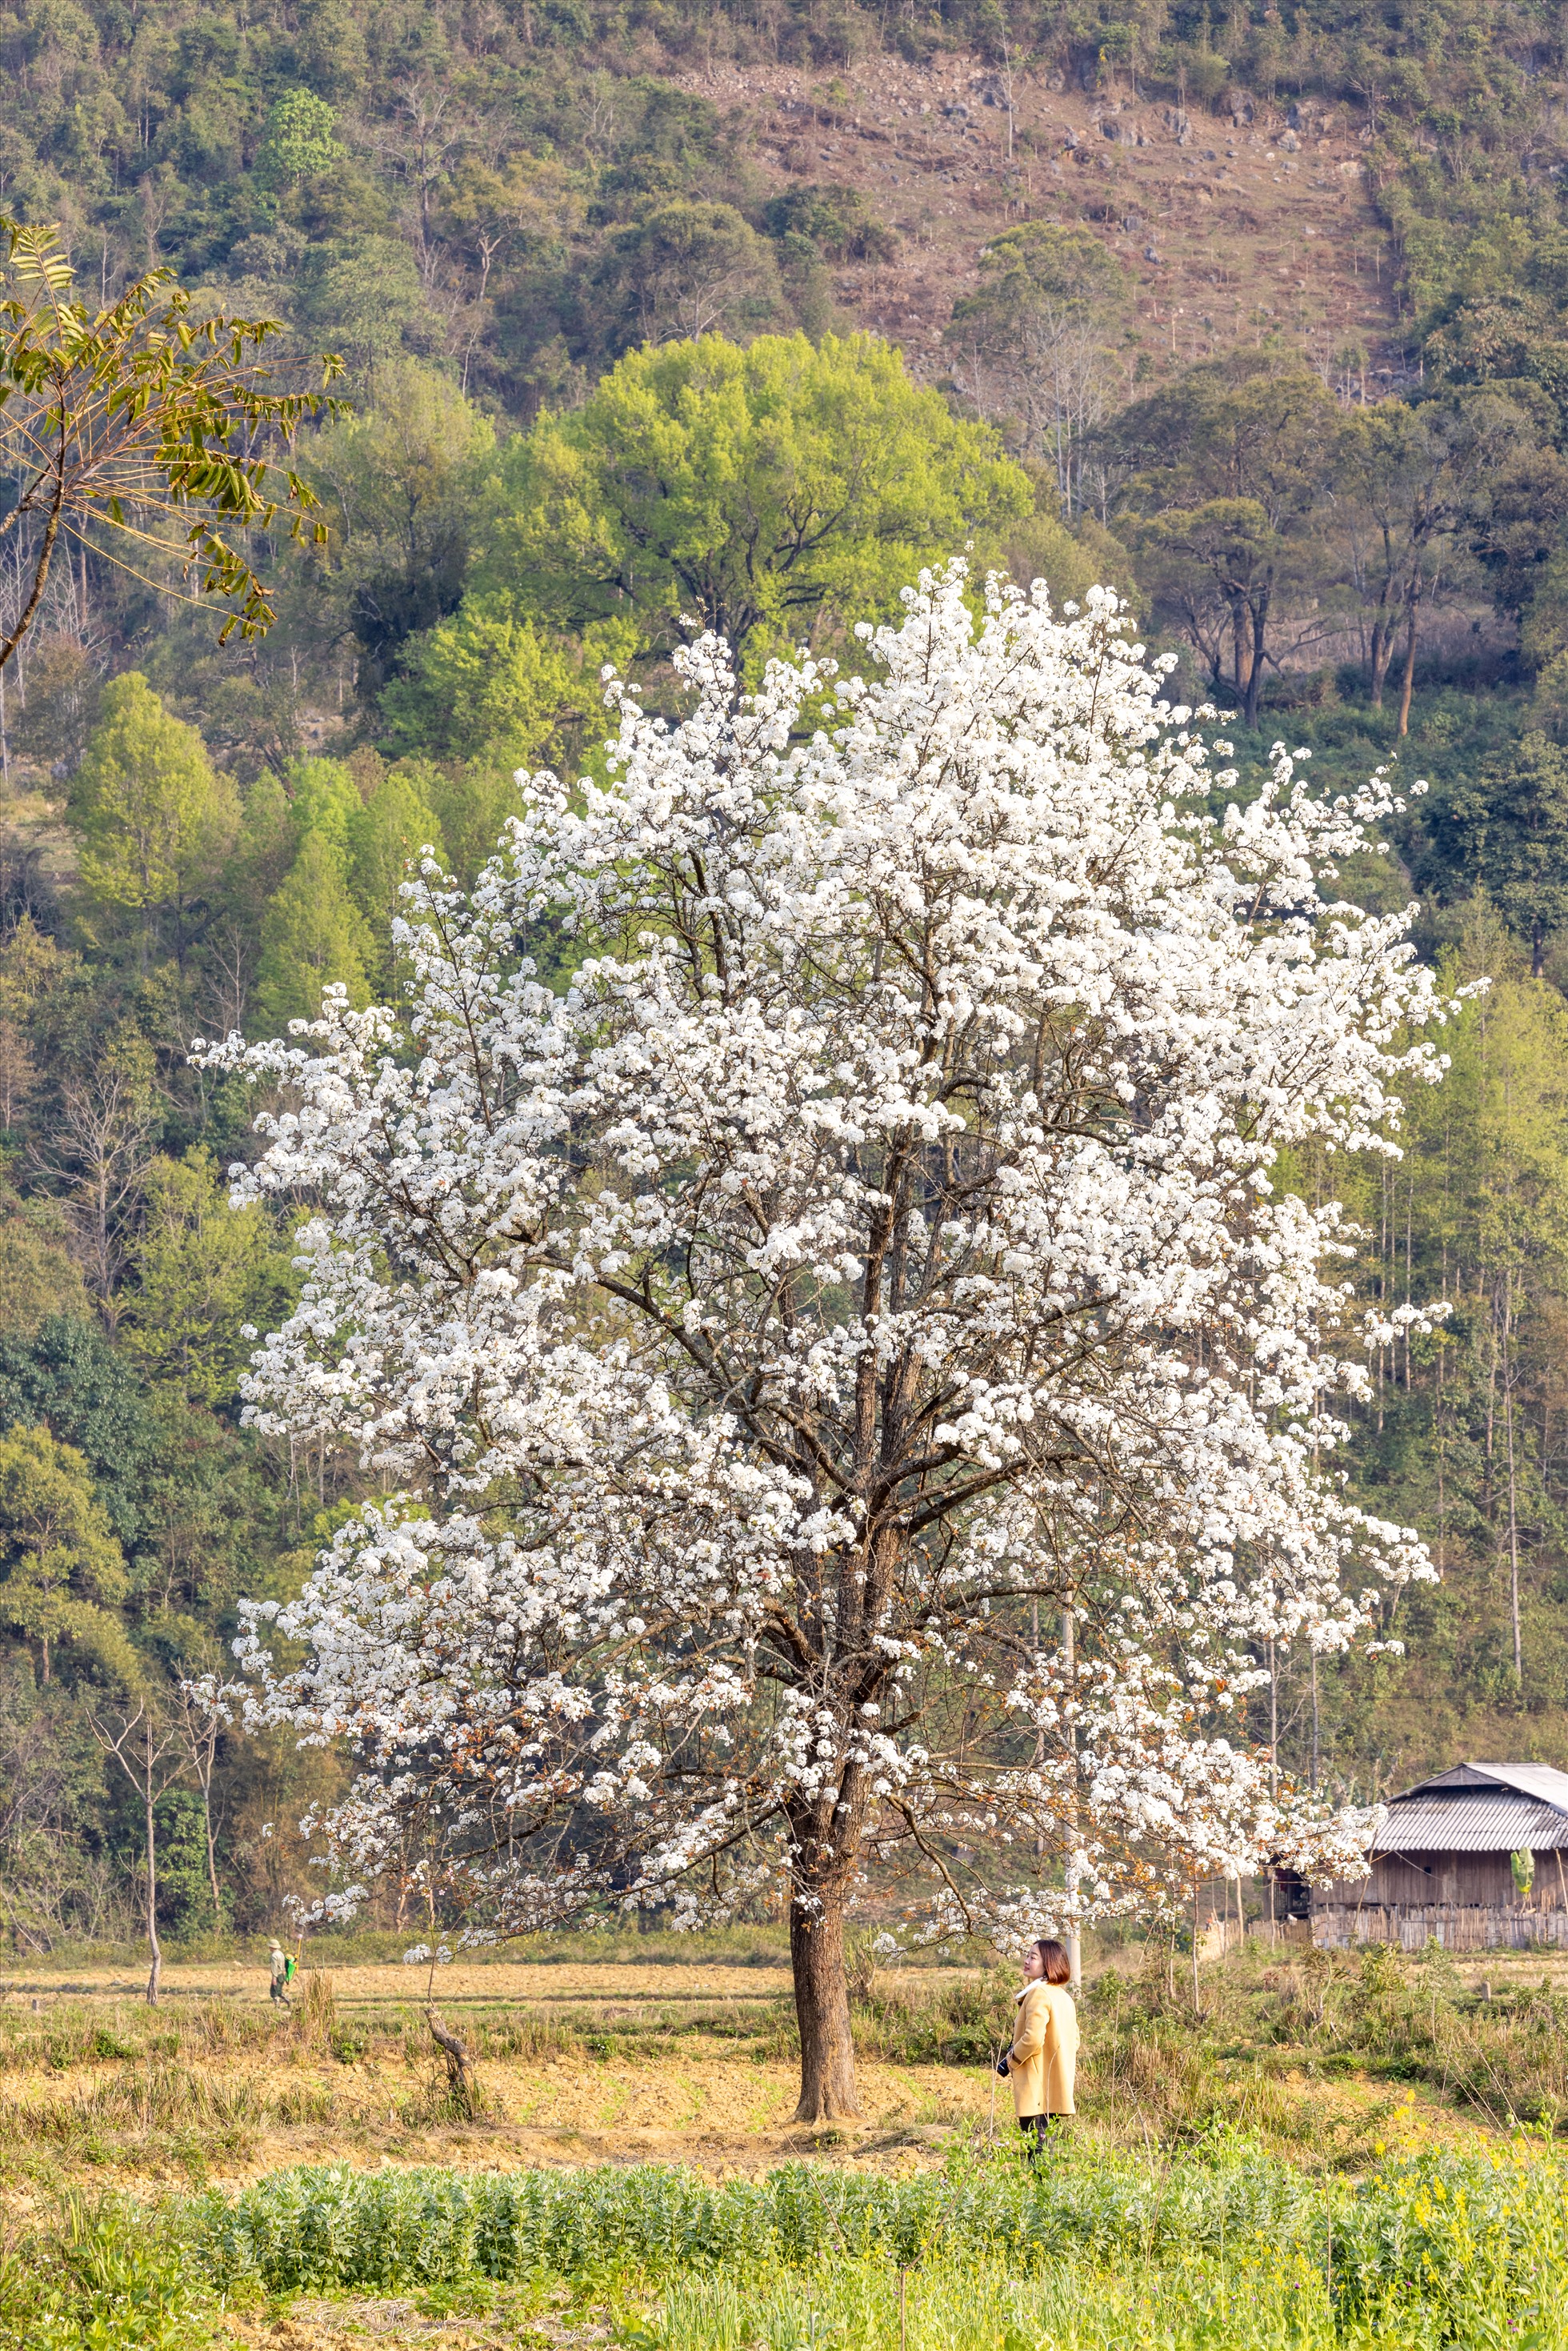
(865, 1258)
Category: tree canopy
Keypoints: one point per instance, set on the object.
(878, 1246)
(768, 492)
(155, 818)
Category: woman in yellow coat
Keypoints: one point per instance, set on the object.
(1043, 2058)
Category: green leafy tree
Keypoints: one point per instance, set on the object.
(268, 841)
(38, 1277)
(838, 221)
(70, 1377)
(1549, 703)
(471, 801)
(323, 798)
(61, 1570)
(1543, 637)
(267, 847)
(365, 295)
(1508, 829)
(139, 431)
(185, 1891)
(488, 685)
(314, 796)
(313, 934)
(518, 212)
(1230, 468)
(401, 485)
(1408, 487)
(387, 834)
(1520, 521)
(181, 1489)
(684, 270)
(1215, 571)
(204, 1271)
(766, 492)
(154, 818)
(1477, 1214)
(298, 140)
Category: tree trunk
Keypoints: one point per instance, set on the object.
(51, 532)
(822, 2004)
(156, 1971)
(1259, 607)
(1408, 683)
(1382, 653)
(211, 1852)
(459, 2078)
(1070, 1872)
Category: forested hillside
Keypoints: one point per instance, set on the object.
(747, 312)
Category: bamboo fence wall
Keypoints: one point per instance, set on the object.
(1412, 1926)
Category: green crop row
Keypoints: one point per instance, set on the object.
(1223, 2245)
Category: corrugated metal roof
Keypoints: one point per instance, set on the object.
(1464, 1822)
(1538, 1781)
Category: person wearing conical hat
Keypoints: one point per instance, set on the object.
(281, 1971)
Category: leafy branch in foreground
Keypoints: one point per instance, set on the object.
(144, 422)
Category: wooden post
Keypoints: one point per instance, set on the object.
(1273, 1771)
(1196, 1999)
(459, 2073)
(1070, 1659)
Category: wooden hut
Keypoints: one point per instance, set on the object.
(1475, 1858)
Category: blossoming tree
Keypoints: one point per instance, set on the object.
(851, 1387)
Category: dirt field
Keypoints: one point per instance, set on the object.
(601, 1987)
(351, 2073)
(492, 1983)
(1228, 231)
(725, 2114)
(575, 2064)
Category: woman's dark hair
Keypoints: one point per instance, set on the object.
(1058, 1966)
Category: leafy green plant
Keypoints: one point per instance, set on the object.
(1423, 2248)
(101, 2281)
(142, 428)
